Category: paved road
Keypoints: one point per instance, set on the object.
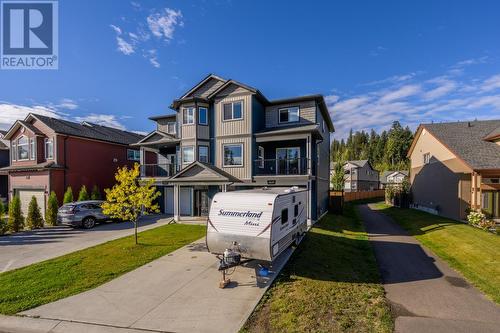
(176, 293)
(426, 295)
(26, 248)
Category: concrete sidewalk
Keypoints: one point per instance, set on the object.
(29, 247)
(176, 293)
(426, 295)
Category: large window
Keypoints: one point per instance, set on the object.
(203, 154)
(187, 154)
(171, 128)
(133, 155)
(203, 116)
(32, 149)
(233, 155)
(22, 148)
(49, 149)
(188, 116)
(289, 115)
(284, 216)
(233, 110)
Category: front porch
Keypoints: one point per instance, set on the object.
(486, 193)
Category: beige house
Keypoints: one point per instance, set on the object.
(456, 166)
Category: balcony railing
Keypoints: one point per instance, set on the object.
(281, 167)
(158, 170)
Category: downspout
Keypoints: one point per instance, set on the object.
(65, 166)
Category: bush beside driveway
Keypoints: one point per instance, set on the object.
(473, 252)
(73, 273)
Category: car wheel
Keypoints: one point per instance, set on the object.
(88, 222)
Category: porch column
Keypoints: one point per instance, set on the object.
(176, 203)
(308, 155)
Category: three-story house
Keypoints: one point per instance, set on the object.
(225, 135)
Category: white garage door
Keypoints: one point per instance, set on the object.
(26, 196)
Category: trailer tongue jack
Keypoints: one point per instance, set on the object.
(228, 260)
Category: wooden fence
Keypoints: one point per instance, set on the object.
(337, 198)
(352, 196)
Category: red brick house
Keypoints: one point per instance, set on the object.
(49, 154)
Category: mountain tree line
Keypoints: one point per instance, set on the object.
(385, 151)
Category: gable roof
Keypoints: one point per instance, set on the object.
(466, 140)
(493, 135)
(202, 82)
(156, 137)
(203, 172)
(84, 130)
(2, 133)
(358, 163)
(385, 174)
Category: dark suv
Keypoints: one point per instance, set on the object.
(84, 214)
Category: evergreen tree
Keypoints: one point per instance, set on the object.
(52, 207)
(34, 219)
(3, 222)
(68, 195)
(96, 193)
(16, 218)
(83, 195)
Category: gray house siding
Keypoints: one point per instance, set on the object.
(307, 114)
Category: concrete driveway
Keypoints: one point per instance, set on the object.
(26, 248)
(426, 295)
(176, 293)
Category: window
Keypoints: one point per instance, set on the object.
(260, 155)
(188, 116)
(284, 216)
(22, 148)
(13, 150)
(233, 155)
(289, 115)
(187, 154)
(49, 149)
(171, 129)
(133, 155)
(32, 149)
(233, 111)
(427, 158)
(295, 210)
(203, 154)
(202, 116)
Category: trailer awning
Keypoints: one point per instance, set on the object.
(202, 173)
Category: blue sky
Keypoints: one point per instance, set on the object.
(374, 61)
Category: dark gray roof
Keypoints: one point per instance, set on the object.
(466, 140)
(493, 134)
(2, 132)
(359, 163)
(90, 131)
(31, 127)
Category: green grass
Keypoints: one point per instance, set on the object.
(473, 252)
(48, 281)
(331, 284)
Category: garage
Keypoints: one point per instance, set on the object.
(26, 195)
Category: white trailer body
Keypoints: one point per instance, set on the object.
(261, 222)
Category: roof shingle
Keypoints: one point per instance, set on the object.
(466, 140)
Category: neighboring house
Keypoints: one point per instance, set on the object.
(392, 178)
(4, 162)
(360, 176)
(49, 154)
(456, 166)
(226, 135)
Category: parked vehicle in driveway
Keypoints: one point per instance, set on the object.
(85, 214)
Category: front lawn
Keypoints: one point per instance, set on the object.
(473, 252)
(331, 284)
(48, 281)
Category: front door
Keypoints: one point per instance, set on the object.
(201, 202)
(287, 161)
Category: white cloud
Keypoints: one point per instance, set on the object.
(9, 113)
(444, 86)
(435, 99)
(402, 92)
(118, 30)
(68, 104)
(102, 119)
(163, 24)
(152, 56)
(492, 83)
(124, 46)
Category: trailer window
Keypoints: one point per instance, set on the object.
(296, 210)
(284, 216)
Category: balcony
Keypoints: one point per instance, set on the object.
(158, 170)
(281, 167)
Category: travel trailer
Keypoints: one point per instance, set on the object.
(257, 223)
